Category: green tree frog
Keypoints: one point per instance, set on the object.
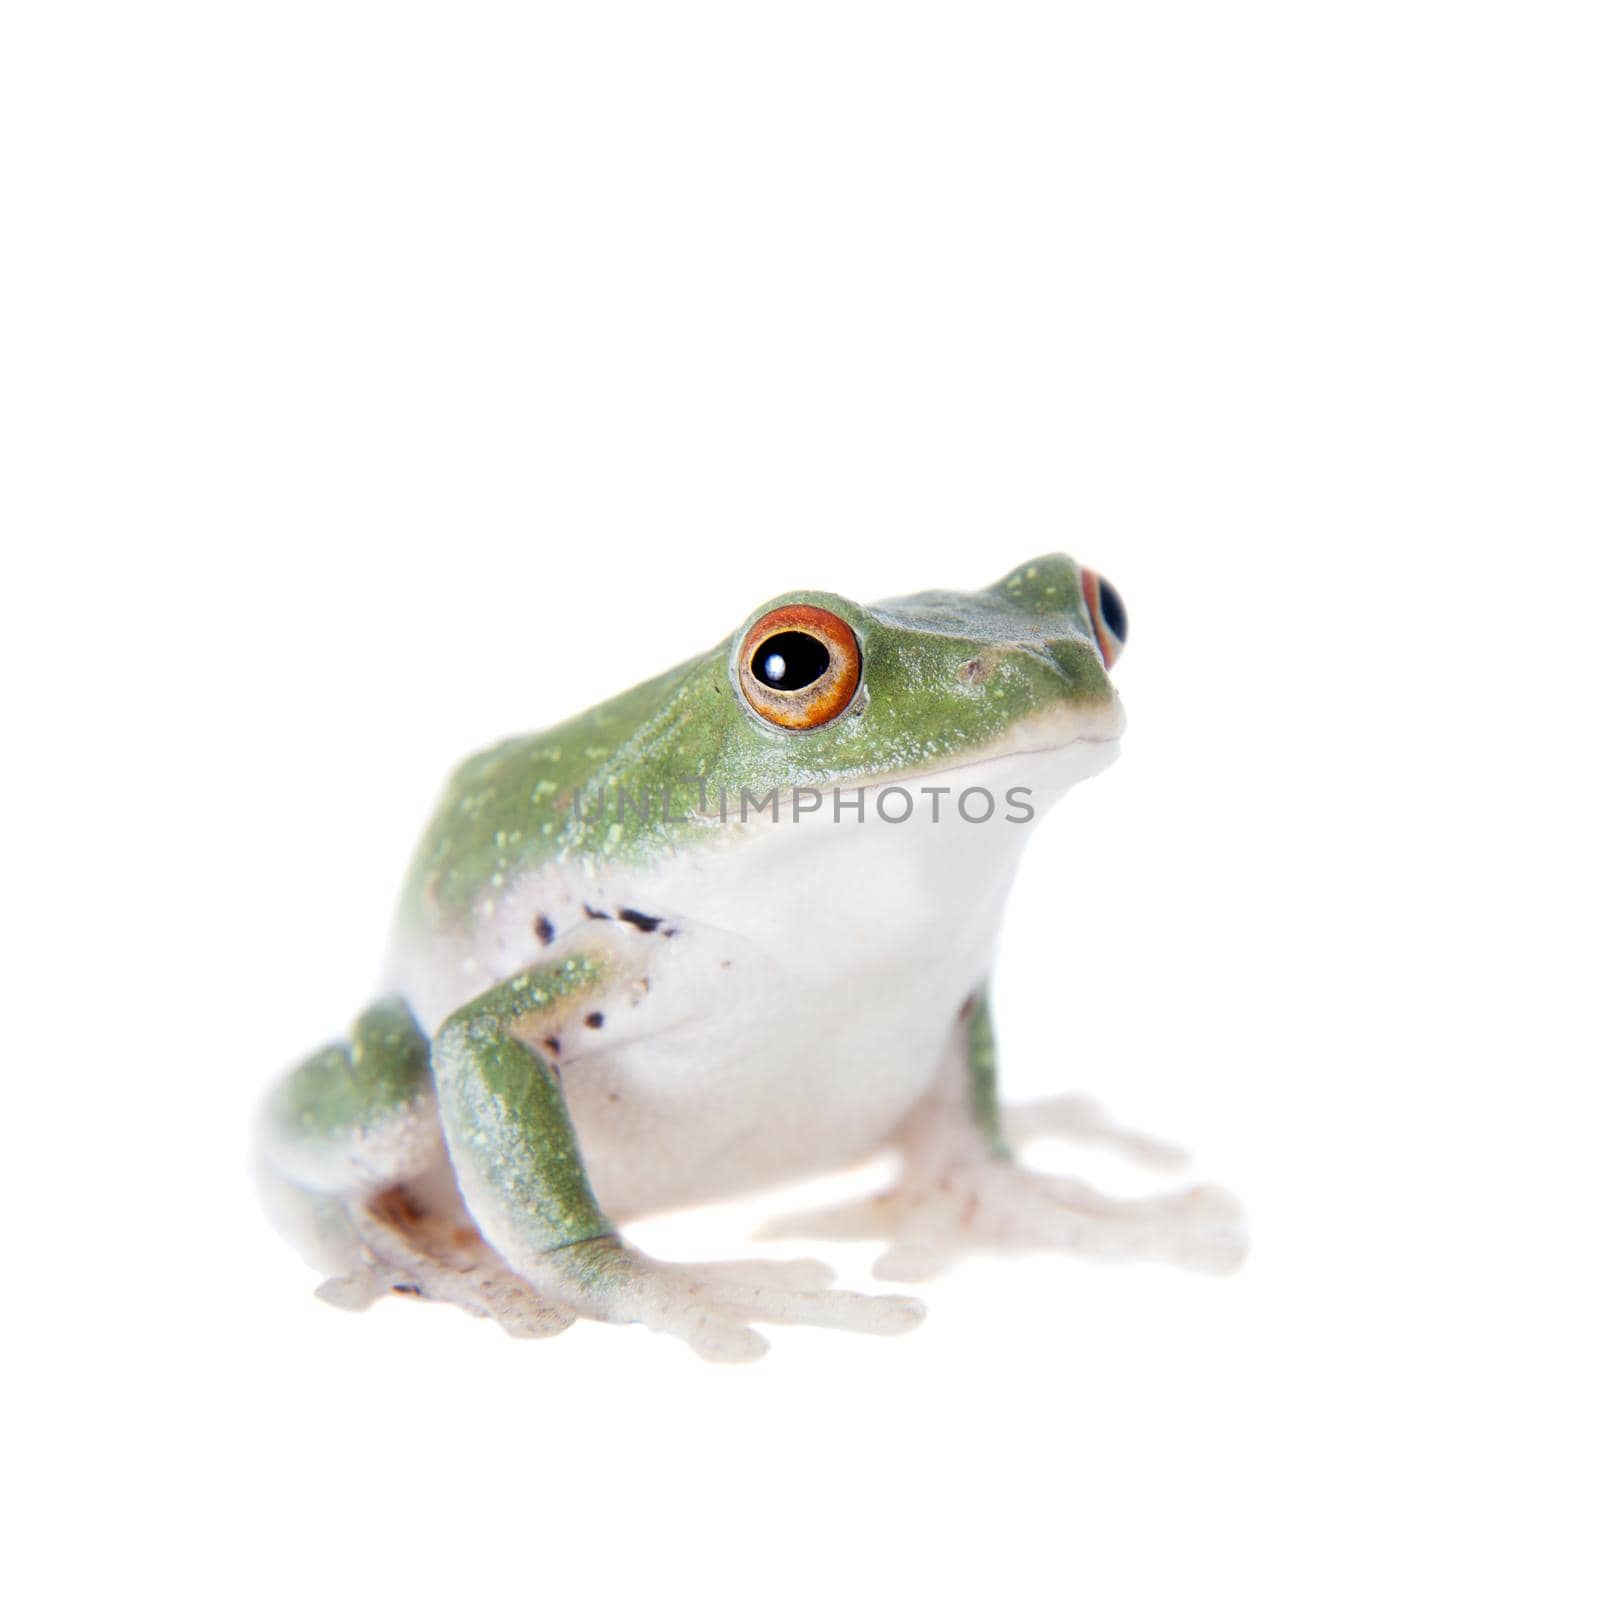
(729, 929)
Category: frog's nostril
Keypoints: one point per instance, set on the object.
(1107, 615)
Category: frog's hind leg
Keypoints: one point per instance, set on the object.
(352, 1167)
(961, 1192)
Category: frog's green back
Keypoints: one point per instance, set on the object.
(518, 803)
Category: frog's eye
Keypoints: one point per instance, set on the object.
(799, 666)
(1107, 613)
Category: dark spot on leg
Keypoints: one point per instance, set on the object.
(405, 1288)
(595, 1019)
(597, 916)
(644, 923)
(545, 928)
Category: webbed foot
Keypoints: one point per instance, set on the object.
(993, 1206)
(431, 1253)
(710, 1305)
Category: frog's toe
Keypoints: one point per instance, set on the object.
(711, 1307)
(793, 1292)
(1009, 1208)
(519, 1310)
(1080, 1119)
(474, 1283)
(1200, 1227)
(411, 1247)
(823, 1308)
(997, 1207)
(353, 1291)
(673, 1301)
(711, 1336)
(1212, 1201)
(807, 1273)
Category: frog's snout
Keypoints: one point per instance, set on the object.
(1053, 585)
(1107, 613)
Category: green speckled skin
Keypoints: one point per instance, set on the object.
(501, 1103)
(943, 673)
(344, 1088)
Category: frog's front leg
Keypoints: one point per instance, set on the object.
(516, 1157)
(961, 1192)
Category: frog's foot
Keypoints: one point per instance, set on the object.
(434, 1253)
(711, 1305)
(1080, 1119)
(993, 1206)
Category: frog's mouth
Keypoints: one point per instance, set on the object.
(1044, 755)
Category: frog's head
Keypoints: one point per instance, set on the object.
(830, 691)
(1008, 686)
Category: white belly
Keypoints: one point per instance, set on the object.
(799, 1008)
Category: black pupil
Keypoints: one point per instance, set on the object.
(1113, 613)
(790, 661)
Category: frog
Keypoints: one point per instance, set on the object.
(729, 930)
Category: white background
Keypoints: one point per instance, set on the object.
(378, 380)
